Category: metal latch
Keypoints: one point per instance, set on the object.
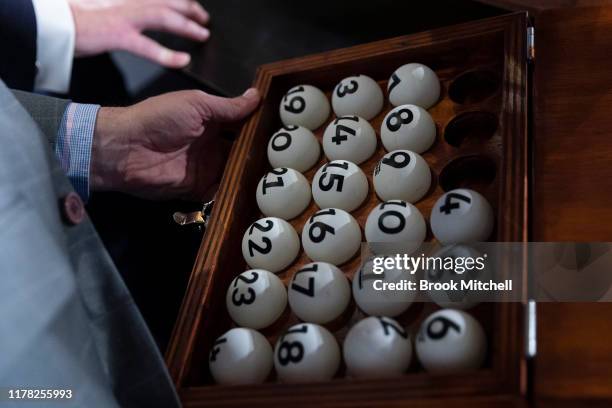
(531, 346)
(199, 218)
(530, 43)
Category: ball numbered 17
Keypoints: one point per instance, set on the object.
(331, 235)
(357, 95)
(295, 147)
(270, 244)
(340, 184)
(283, 193)
(349, 138)
(304, 105)
(402, 175)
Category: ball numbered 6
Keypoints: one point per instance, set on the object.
(340, 184)
(402, 175)
(305, 353)
(295, 147)
(270, 244)
(408, 127)
(451, 341)
(331, 235)
(349, 138)
(357, 95)
(304, 105)
(395, 227)
(240, 356)
(283, 193)
(319, 293)
(256, 298)
(414, 84)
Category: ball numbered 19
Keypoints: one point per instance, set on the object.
(295, 147)
(349, 138)
(402, 175)
(271, 244)
(283, 193)
(414, 84)
(357, 95)
(340, 184)
(331, 235)
(408, 127)
(304, 105)
(395, 227)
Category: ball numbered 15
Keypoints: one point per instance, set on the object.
(349, 138)
(295, 147)
(304, 105)
(414, 84)
(283, 193)
(408, 127)
(357, 95)
(402, 175)
(271, 244)
(331, 235)
(340, 184)
(395, 227)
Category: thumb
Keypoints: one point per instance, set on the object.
(231, 109)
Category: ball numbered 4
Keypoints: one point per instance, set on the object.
(451, 341)
(408, 127)
(377, 347)
(461, 216)
(340, 184)
(402, 175)
(357, 95)
(414, 84)
(256, 299)
(349, 138)
(304, 105)
(331, 235)
(295, 147)
(270, 244)
(319, 293)
(240, 356)
(395, 227)
(306, 353)
(283, 193)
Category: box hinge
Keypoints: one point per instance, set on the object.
(198, 218)
(530, 43)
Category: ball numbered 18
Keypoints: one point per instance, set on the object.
(331, 235)
(340, 184)
(304, 105)
(408, 127)
(402, 175)
(357, 95)
(349, 138)
(295, 147)
(283, 193)
(270, 244)
(414, 84)
(395, 227)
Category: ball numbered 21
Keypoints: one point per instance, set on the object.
(283, 193)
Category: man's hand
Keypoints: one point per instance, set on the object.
(166, 146)
(107, 25)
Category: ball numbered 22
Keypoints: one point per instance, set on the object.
(271, 244)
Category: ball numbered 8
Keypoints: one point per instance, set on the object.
(270, 244)
(402, 175)
(340, 184)
(295, 147)
(349, 138)
(408, 127)
(304, 105)
(357, 95)
(331, 235)
(283, 193)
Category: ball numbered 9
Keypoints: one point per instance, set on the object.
(295, 147)
(319, 293)
(395, 227)
(414, 84)
(349, 138)
(340, 184)
(377, 347)
(408, 127)
(283, 193)
(331, 235)
(402, 175)
(306, 353)
(451, 341)
(357, 95)
(270, 244)
(240, 356)
(304, 105)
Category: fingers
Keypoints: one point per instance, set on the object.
(169, 20)
(229, 109)
(147, 48)
(191, 9)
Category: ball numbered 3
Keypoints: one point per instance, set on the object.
(283, 193)
(377, 347)
(395, 227)
(319, 293)
(305, 353)
(408, 127)
(295, 147)
(349, 138)
(357, 95)
(304, 105)
(240, 356)
(256, 299)
(331, 235)
(402, 175)
(270, 244)
(414, 84)
(340, 184)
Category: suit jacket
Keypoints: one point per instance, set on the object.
(67, 320)
(18, 43)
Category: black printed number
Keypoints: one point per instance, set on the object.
(277, 183)
(291, 351)
(310, 289)
(240, 299)
(389, 326)
(321, 228)
(398, 160)
(342, 131)
(294, 103)
(344, 90)
(444, 324)
(392, 214)
(216, 349)
(266, 247)
(327, 184)
(399, 118)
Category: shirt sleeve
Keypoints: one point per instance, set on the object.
(74, 142)
(54, 45)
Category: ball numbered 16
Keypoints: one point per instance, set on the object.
(408, 127)
(414, 84)
(331, 235)
(283, 193)
(270, 244)
(357, 95)
(349, 138)
(340, 184)
(304, 105)
(395, 227)
(295, 147)
(402, 175)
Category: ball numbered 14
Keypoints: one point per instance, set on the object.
(357, 95)
(295, 147)
(408, 127)
(402, 175)
(283, 193)
(340, 184)
(349, 138)
(331, 235)
(395, 227)
(304, 105)
(414, 84)
(271, 244)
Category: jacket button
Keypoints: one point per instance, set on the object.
(73, 209)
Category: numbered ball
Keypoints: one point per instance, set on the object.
(451, 341)
(414, 84)
(357, 95)
(461, 216)
(319, 293)
(377, 347)
(408, 127)
(256, 298)
(331, 235)
(304, 105)
(402, 175)
(270, 244)
(283, 193)
(241, 356)
(306, 353)
(349, 138)
(340, 184)
(395, 227)
(295, 147)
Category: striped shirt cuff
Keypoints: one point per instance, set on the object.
(74, 142)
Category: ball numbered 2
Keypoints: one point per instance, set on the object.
(331, 235)
(402, 175)
(357, 95)
(271, 244)
(395, 227)
(408, 127)
(295, 147)
(304, 105)
(414, 84)
(349, 138)
(340, 184)
(283, 193)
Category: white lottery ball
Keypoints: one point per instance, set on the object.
(240, 356)
(408, 127)
(450, 341)
(357, 95)
(402, 175)
(304, 105)
(319, 293)
(349, 138)
(461, 216)
(270, 244)
(295, 147)
(377, 347)
(395, 227)
(283, 193)
(340, 184)
(331, 235)
(306, 353)
(414, 84)
(256, 298)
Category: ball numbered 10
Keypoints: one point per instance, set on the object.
(414, 84)
(331, 235)
(270, 244)
(295, 147)
(408, 127)
(283, 193)
(402, 175)
(395, 227)
(349, 138)
(357, 95)
(304, 105)
(340, 184)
